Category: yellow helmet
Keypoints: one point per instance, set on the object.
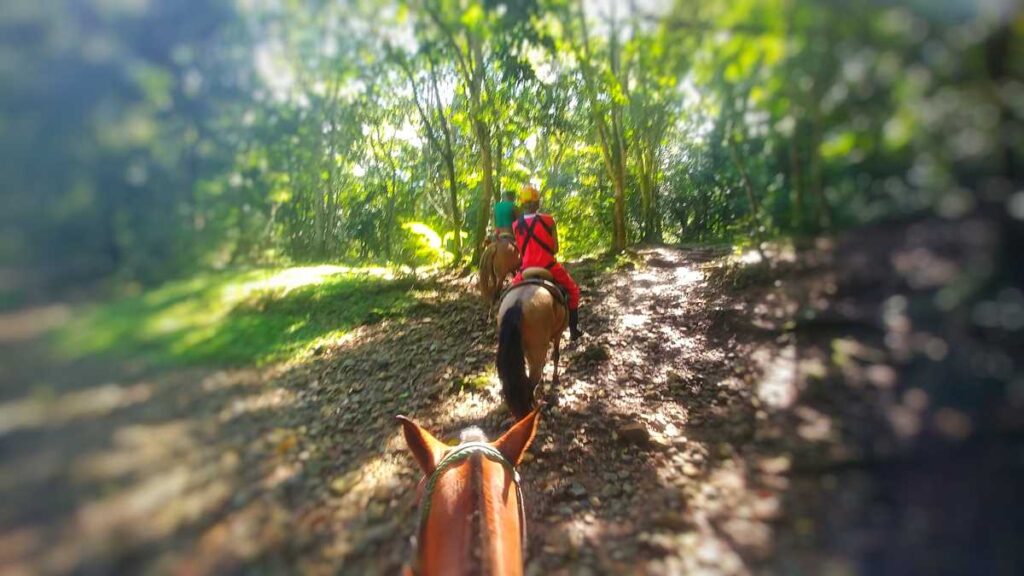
(528, 193)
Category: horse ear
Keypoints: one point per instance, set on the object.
(424, 447)
(513, 444)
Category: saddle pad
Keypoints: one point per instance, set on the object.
(538, 273)
(560, 295)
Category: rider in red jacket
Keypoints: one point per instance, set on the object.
(537, 240)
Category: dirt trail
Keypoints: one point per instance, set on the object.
(684, 438)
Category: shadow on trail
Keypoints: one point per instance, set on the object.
(288, 467)
(799, 420)
(718, 417)
(889, 402)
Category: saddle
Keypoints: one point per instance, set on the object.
(491, 240)
(537, 276)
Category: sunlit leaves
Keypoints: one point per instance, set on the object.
(248, 129)
(473, 17)
(428, 246)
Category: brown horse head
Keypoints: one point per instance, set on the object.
(472, 519)
(498, 261)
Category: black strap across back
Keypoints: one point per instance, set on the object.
(528, 229)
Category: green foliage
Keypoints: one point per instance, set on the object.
(423, 246)
(311, 131)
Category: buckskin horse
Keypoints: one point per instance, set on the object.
(472, 518)
(498, 261)
(531, 319)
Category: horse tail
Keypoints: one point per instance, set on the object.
(515, 386)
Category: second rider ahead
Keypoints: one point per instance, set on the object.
(537, 240)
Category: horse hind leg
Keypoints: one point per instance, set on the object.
(555, 357)
(499, 287)
(535, 360)
(485, 280)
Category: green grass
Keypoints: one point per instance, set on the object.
(229, 318)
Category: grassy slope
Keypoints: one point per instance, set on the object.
(236, 317)
(246, 317)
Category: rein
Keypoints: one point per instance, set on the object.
(459, 454)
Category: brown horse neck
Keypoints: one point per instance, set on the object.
(473, 527)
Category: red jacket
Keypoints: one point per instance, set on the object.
(535, 237)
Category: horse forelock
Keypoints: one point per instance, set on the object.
(472, 434)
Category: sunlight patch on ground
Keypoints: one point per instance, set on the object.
(468, 408)
(252, 316)
(336, 341)
(675, 340)
(227, 379)
(776, 251)
(728, 514)
(137, 448)
(778, 387)
(96, 402)
(634, 320)
(24, 325)
(644, 278)
(814, 425)
(238, 535)
(686, 275)
(272, 399)
(289, 279)
(277, 283)
(484, 380)
(367, 488)
(749, 257)
(162, 501)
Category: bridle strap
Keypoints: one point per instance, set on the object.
(456, 455)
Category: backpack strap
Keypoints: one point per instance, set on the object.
(529, 235)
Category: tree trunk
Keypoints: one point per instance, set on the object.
(453, 193)
(619, 228)
(483, 136)
(645, 207)
(619, 236)
(796, 168)
(822, 214)
(755, 207)
(648, 195)
(614, 161)
(442, 147)
(821, 209)
(499, 158)
(796, 180)
(655, 207)
(998, 49)
(613, 148)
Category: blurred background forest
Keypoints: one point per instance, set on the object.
(142, 140)
(236, 239)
